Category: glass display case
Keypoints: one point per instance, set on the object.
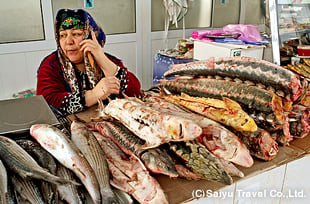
(290, 29)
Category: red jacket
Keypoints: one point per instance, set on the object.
(57, 92)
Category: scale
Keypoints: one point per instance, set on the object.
(18, 115)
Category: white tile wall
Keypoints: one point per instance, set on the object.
(286, 184)
(18, 72)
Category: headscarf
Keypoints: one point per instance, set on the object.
(78, 18)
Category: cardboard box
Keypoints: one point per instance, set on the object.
(204, 50)
(181, 190)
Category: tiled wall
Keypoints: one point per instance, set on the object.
(286, 184)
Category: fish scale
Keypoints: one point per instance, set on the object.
(244, 68)
(201, 161)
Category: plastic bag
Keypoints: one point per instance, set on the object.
(248, 33)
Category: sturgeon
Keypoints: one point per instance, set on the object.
(244, 68)
(151, 125)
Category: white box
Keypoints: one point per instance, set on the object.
(205, 50)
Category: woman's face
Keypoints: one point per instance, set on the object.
(69, 40)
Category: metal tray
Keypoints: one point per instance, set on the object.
(18, 115)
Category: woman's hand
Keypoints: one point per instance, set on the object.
(92, 46)
(104, 88)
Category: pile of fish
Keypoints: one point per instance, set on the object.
(203, 121)
(275, 97)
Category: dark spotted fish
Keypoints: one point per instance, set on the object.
(246, 69)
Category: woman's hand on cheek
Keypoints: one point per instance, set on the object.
(92, 46)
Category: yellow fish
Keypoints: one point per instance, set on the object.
(226, 111)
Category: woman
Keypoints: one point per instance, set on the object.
(79, 72)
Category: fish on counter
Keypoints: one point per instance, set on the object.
(62, 148)
(245, 69)
(225, 111)
(151, 125)
(84, 139)
(19, 161)
(27, 189)
(47, 161)
(155, 159)
(68, 193)
(200, 161)
(218, 139)
(260, 144)
(3, 184)
(130, 173)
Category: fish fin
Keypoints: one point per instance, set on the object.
(231, 104)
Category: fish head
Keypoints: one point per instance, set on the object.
(160, 162)
(240, 154)
(181, 129)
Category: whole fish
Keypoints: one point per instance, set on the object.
(244, 68)
(141, 185)
(20, 162)
(201, 161)
(69, 193)
(46, 160)
(150, 125)
(155, 159)
(84, 139)
(260, 144)
(27, 189)
(59, 145)
(224, 111)
(4, 184)
(225, 144)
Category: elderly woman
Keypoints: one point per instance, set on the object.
(79, 72)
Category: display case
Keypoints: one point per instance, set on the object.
(290, 28)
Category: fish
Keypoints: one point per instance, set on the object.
(245, 69)
(132, 176)
(150, 125)
(4, 184)
(201, 161)
(225, 144)
(19, 161)
(27, 189)
(69, 193)
(46, 160)
(123, 197)
(260, 144)
(84, 139)
(155, 159)
(186, 173)
(66, 153)
(224, 111)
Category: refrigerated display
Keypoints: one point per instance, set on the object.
(290, 29)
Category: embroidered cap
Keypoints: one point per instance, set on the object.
(71, 23)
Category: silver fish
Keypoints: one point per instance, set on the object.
(84, 139)
(59, 145)
(27, 189)
(20, 162)
(69, 193)
(3, 183)
(46, 160)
